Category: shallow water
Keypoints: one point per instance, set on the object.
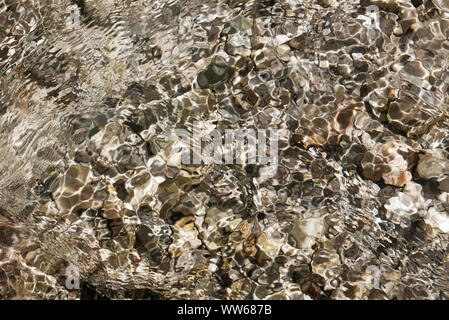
(92, 184)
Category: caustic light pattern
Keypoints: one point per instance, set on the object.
(92, 178)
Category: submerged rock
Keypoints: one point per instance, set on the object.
(110, 112)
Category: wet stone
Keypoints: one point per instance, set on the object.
(216, 74)
(93, 172)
